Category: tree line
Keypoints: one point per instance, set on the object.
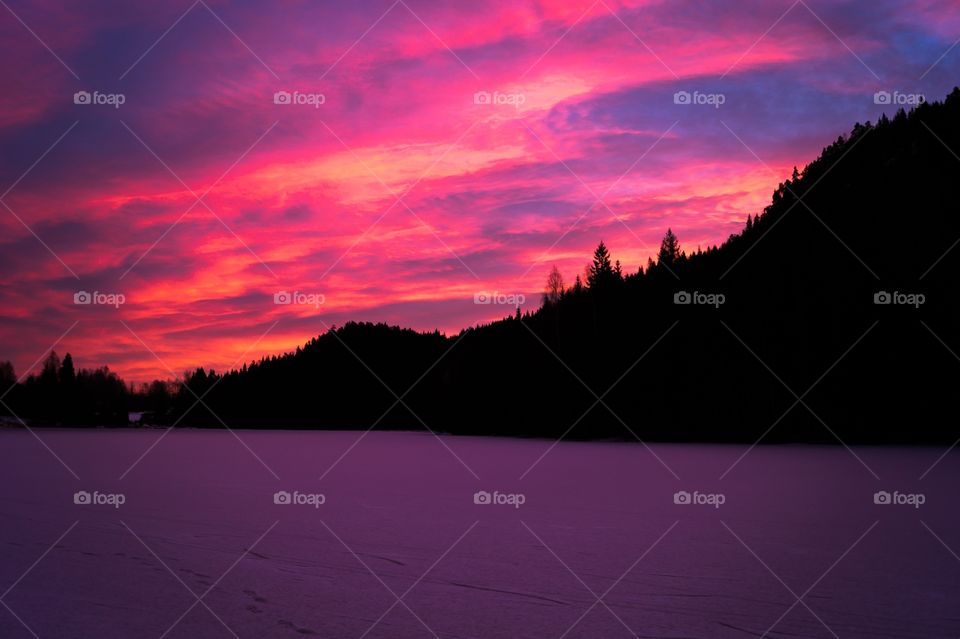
(61, 394)
(802, 347)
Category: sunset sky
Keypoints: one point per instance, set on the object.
(399, 198)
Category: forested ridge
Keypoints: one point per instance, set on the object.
(787, 331)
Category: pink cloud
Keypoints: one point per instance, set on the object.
(305, 198)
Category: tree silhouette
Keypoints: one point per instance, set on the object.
(669, 249)
(555, 288)
(68, 376)
(600, 272)
(8, 378)
(50, 371)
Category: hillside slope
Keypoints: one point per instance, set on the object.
(798, 351)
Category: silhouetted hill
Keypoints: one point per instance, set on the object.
(799, 326)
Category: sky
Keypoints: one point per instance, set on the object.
(202, 184)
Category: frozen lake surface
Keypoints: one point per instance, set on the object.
(789, 542)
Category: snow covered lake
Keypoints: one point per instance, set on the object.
(285, 534)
